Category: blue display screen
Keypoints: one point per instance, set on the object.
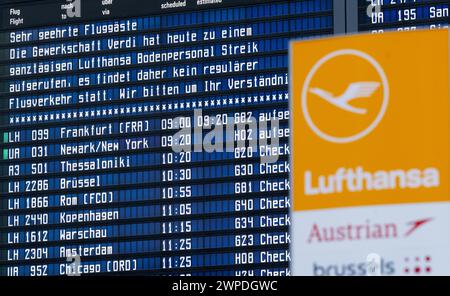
(93, 95)
(402, 15)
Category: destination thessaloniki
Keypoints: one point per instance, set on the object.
(97, 164)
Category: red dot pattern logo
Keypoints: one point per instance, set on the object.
(417, 265)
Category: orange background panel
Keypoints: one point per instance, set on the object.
(413, 133)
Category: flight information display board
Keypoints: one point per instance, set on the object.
(402, 15)
(94, 95)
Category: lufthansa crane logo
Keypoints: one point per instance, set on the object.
(345, 96)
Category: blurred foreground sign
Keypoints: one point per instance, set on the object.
(370, 154)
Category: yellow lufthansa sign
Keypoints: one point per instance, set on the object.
(370, 120)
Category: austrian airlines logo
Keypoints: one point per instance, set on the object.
(364, 231)
(416, 225)
(354, 91)
(350, 106)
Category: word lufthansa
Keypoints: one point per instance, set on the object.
(358, 180)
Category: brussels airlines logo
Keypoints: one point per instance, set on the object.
(362, 104)
(377, 265)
